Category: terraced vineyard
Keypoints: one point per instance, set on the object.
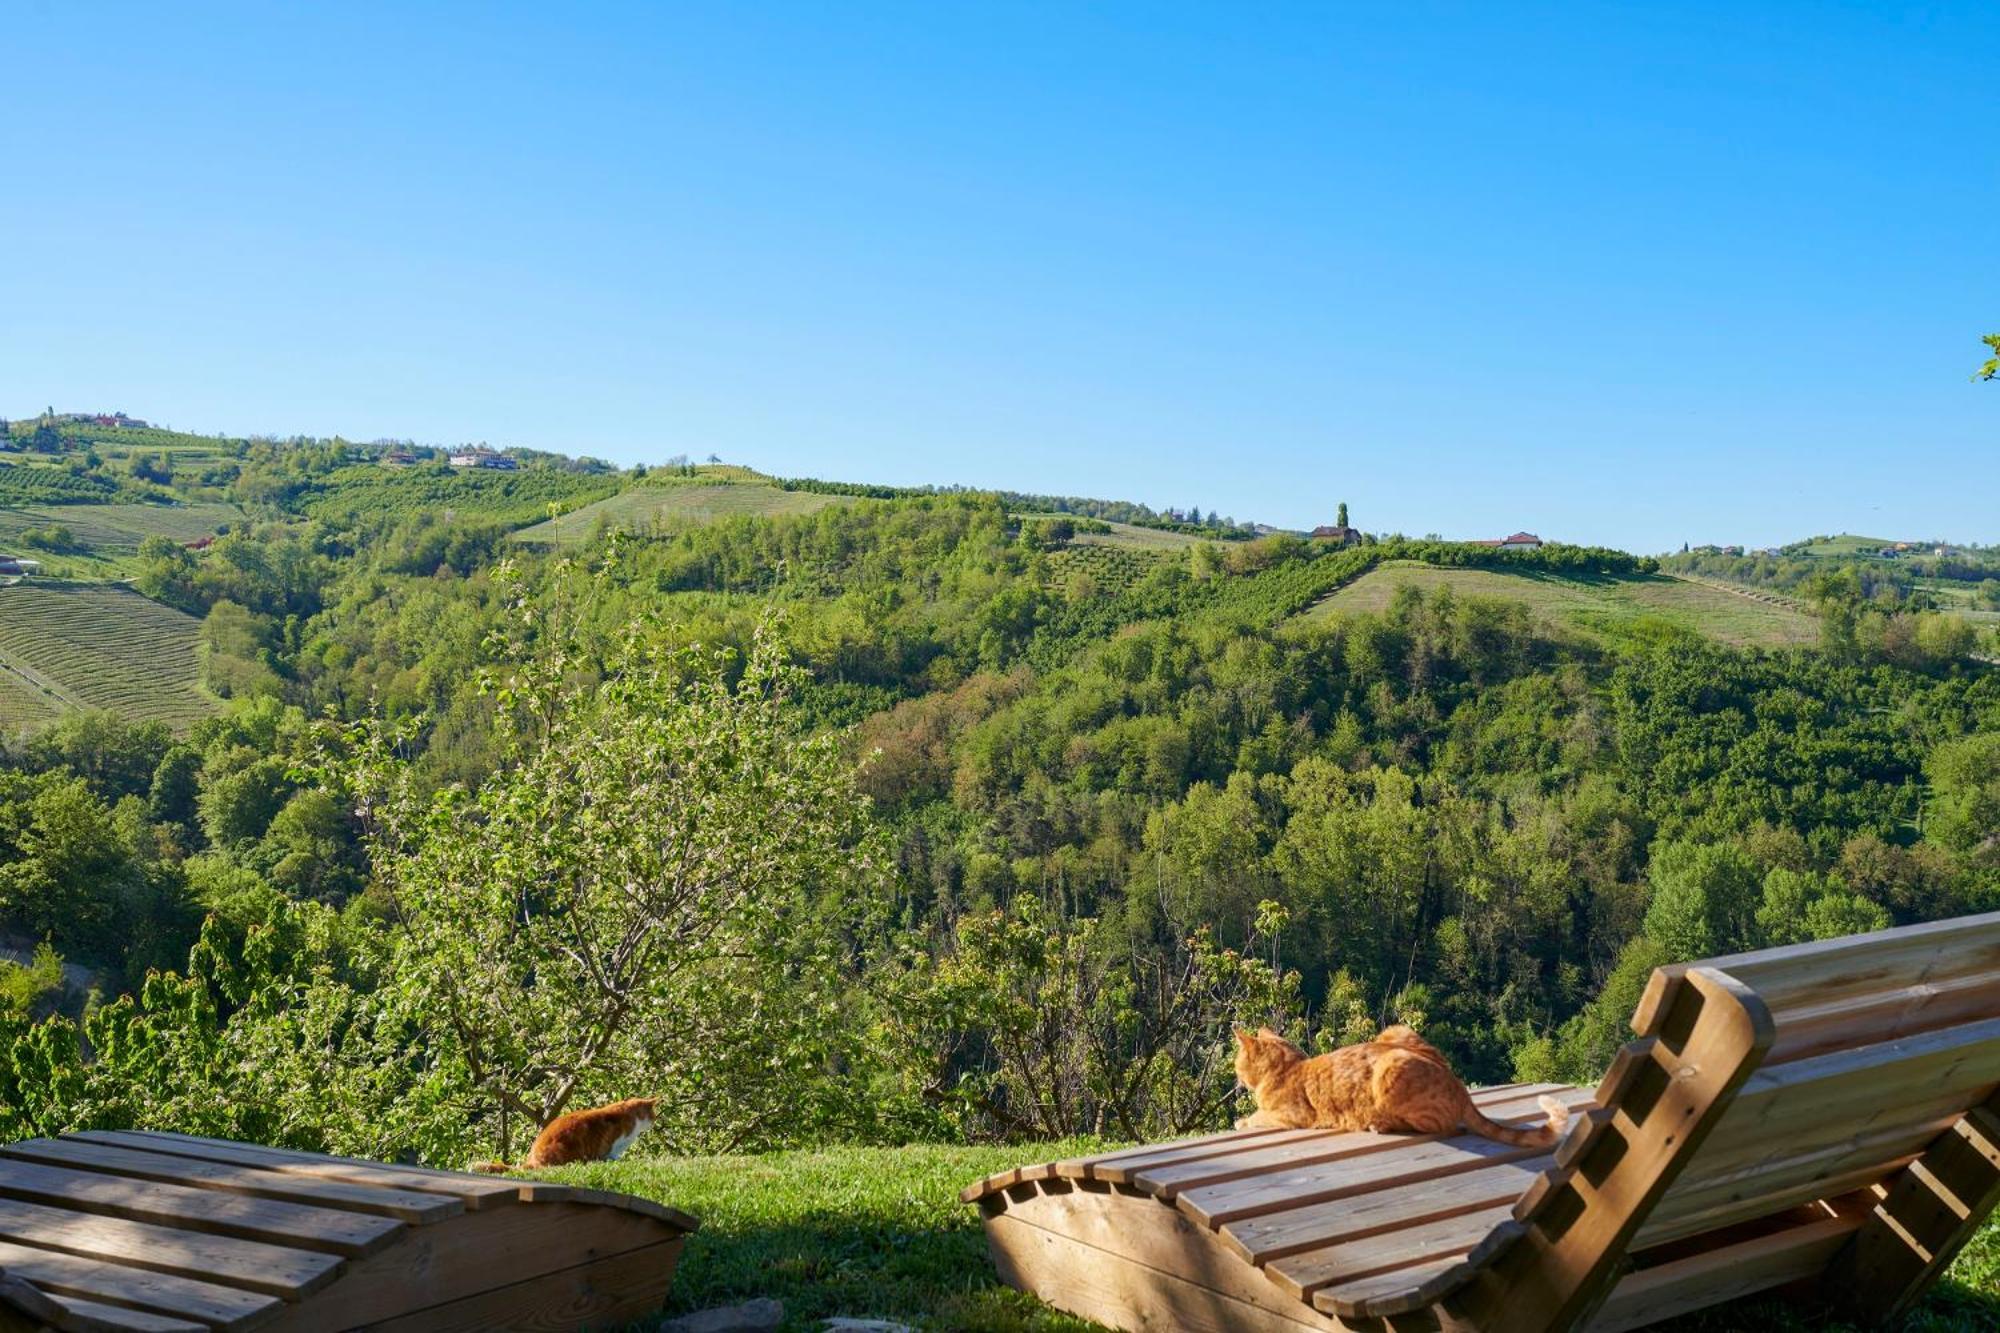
(1098, 568)
(94, 645)
(117, 529)
(650, 504)
(1599, 606)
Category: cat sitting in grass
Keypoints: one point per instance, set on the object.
(601, 1134)
(1396, 1084)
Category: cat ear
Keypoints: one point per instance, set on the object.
(1244, 1038)
(1267, 1034)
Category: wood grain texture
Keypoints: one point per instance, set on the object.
(252, 1265)
(1727, 1147)
(1927, 1214)
(473, 1190)
(459, 1258)
(603, 1294)
(1121, 1292)
(140, 1165)
(147, 1233)
(161, 1293)
(333, 1230)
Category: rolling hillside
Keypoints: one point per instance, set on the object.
(1600, 607)
(95, 645)
(650, 503)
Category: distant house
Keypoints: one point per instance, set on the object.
(1520, 541)
(484, 458)
(1336, 532)
(199, 544)
(18, 565)
(400, 458)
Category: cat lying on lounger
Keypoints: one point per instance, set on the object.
(601, 1134)
(1397, 1083)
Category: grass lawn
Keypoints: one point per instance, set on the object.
(879, 1233)
(1599, 606)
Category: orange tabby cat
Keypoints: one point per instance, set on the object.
(600, 1134)
(1398, 1083)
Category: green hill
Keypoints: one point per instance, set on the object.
(94, 645)
(1844, 544)
(1595, 605)
(652, 503)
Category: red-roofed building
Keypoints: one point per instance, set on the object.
(1520, 541)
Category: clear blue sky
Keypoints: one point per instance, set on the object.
(1631, 274)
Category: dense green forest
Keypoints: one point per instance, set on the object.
(877, 823)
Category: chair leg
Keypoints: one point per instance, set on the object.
(1931, 1208)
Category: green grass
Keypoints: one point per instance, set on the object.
(667, 502)
(1601, 607)
(107, 536)
(94, 645)
(879, 1232)
(1848, 544)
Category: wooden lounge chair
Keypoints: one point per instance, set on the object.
(1822, 1117)
(162, 1233)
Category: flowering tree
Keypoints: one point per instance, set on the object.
(642, 899)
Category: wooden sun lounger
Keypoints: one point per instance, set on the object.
(137, 1232)
(1822, 1118)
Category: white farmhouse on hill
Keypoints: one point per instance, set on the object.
(484, 458)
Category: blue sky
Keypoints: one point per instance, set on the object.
(1629, 274)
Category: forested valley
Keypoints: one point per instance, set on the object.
(899, 816)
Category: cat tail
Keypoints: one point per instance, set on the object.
(1522, 1136)
(490, 1168)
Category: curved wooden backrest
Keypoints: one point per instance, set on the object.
(1765, 1081)
(1882, 1043)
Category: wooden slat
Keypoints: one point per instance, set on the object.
(1272, 1236)
(1727, 1273)
(1879, 1016)
(333, 1230)
(1825, 971)
(1865, 1087)
(1125, 1169)
(1925, 1217)
(475, 1191)
(1217, 1205)
(1079, 1168)
(1354, 1296)
(403, 1205)
(1730, 1202)
(301, 1155)
(81, 1316)
(1167, 1181)
(1306, 1272)
(1709, 1035)
(272, 1269)
(208, 1303)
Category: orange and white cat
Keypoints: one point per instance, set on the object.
(1397, 1083)
(601, 1134)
